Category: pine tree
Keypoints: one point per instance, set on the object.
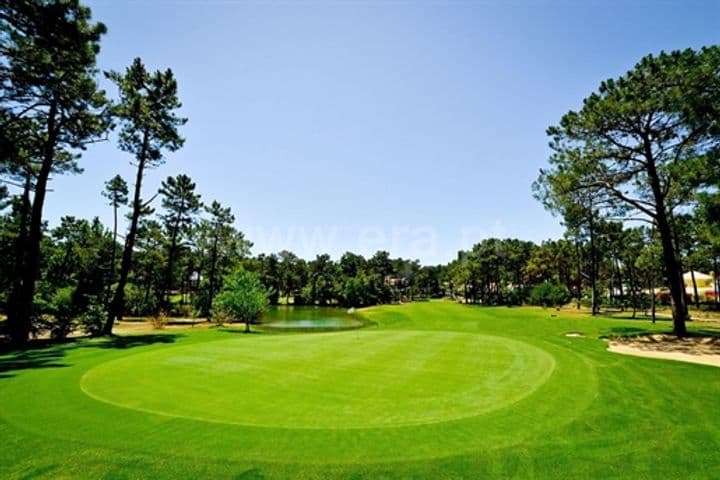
(149, 127)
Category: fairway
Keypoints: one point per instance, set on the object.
(431, 390)
(358, 380)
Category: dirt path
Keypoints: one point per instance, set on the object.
(703, 350)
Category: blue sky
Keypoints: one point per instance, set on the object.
(415, 127)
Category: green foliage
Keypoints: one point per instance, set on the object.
(93, 319)
(267, 269)
(116, 191)
(139, 301)
(146, 112)
(359, 291)
(549, 294)
(181, 204)
(220, 247)
(242, 297)
(62, 311)
(492, 270)
(220, 317)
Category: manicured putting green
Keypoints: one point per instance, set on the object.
(361, 379)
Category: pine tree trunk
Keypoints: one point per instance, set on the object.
(21, 312)
(716, 283)
(113, 255)
(117, 307)
(695, 289)
(211, 282)
(593, 265)
(672, 265)
(164, 300)
(579, 275)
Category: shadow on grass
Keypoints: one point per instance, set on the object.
(132, 341)
(31, 360)
(252, 474)
(253, 331)
(704, 332)
(629, 331)
(627, 315)
(50, 354)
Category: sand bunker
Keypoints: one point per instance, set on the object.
(703, 350)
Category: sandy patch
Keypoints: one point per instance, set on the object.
(130, 327)
(122, 327)
(703, 350)
(574, 334)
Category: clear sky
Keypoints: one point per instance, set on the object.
(415, 127)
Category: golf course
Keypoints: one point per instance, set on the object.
(428, 389)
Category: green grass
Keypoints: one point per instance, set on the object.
(432, 389)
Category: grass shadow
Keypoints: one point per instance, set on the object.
(45, 353)
(639, 316)
(254, 331)
(132, 341)
(252, 474)
(704, 332)
(626, 332)
(31, 360)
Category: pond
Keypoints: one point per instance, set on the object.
(289, 318)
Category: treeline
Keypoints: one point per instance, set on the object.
(620, 267)
(185, 249)
(351, 281)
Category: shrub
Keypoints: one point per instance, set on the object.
(220, 317)
(549, 295)
(158, 320)
(93, 319)
(61, 307)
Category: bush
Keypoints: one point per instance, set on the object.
(220, 317)
(93, 319)
(549, 295)
(159, 320)
(61, 307)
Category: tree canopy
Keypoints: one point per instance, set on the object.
(640, 147)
